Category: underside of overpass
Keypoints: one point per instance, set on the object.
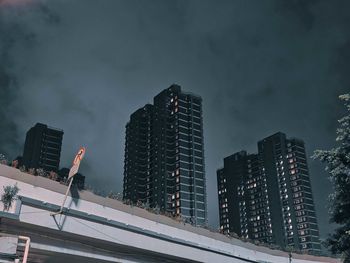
(53, 246)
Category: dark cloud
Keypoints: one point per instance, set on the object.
(8, 142)
(302, 11)
(260, 66)
(10, 34)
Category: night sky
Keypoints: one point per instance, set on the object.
(260, 67)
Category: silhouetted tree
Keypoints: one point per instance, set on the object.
(337, 162)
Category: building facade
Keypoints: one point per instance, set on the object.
(164, 156)
(42, 148)
(267, 196)
(139, 157)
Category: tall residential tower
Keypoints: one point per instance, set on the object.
(267, 196)
(164, 156)
(42, 148)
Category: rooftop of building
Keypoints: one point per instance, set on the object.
(45, 126)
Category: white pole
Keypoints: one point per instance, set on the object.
(73, 171)
(26, 250)
(65, 197)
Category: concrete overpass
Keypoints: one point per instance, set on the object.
(97, 229)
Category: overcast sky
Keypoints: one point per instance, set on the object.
(260, 67)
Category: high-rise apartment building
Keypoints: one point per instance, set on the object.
(139, 156)
(267, 196)
(42, 148)
(164, 155)
(243, 199)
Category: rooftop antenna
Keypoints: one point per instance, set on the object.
(73, 171)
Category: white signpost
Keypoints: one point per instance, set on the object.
(73, 171)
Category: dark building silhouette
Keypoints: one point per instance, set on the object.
(139, 153)
(267, 196)
(164, 156)
(78, 179)
(42, 148)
